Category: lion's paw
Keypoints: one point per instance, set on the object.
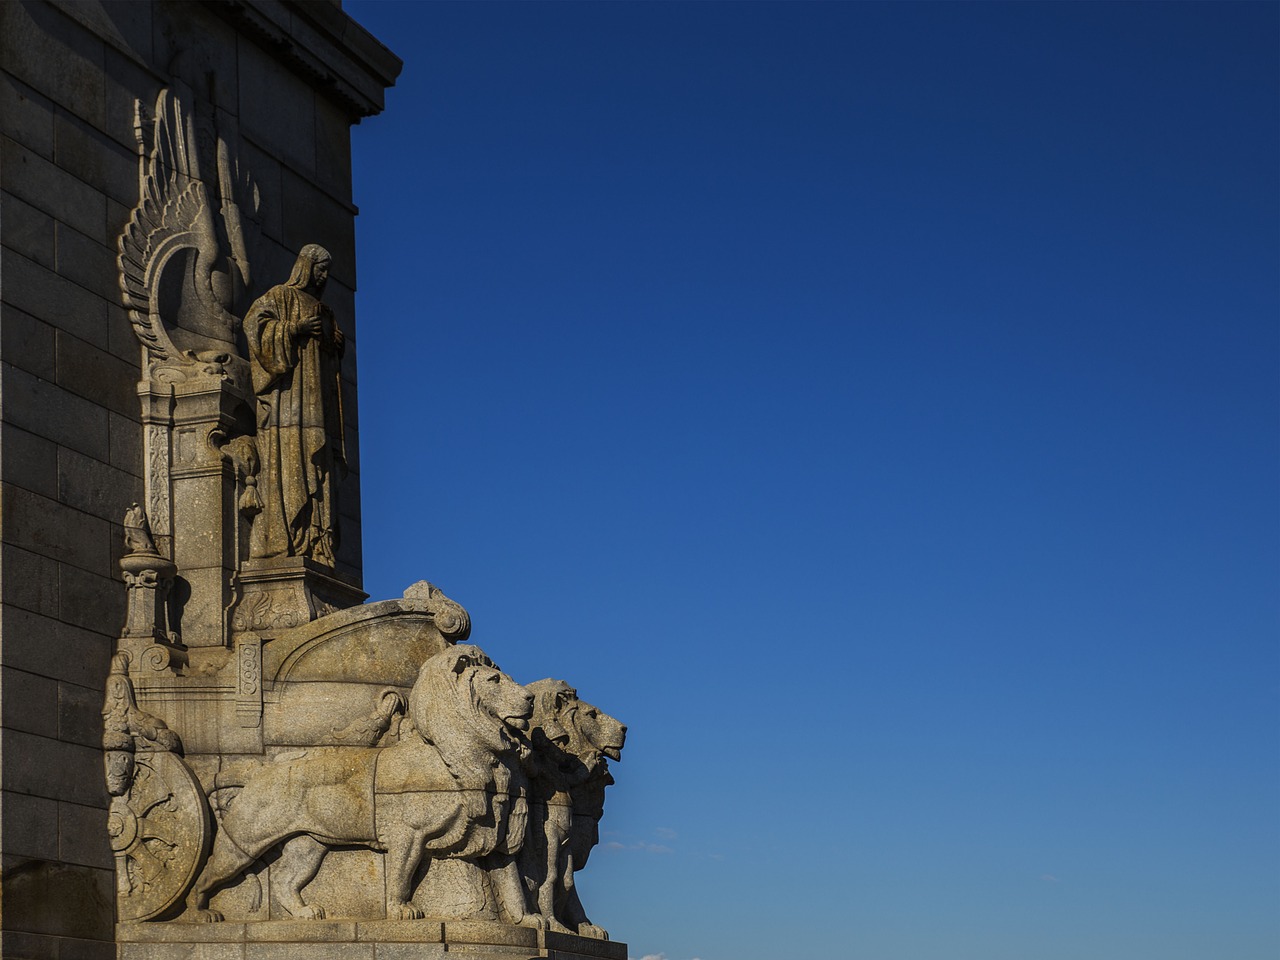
(533, 920)
(309, 912)
(555, 926)
(396, 910)
(591, 930)
(206, 916)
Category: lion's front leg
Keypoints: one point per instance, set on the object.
(504, 874)
(404, 853)
(555, 851)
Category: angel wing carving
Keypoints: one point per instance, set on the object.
(184, 262)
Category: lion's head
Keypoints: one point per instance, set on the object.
(564, 722)
(468, 708)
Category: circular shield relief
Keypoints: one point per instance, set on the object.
(160, 834)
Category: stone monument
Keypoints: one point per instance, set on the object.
(212, 744)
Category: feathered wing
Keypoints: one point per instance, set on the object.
(173, 218)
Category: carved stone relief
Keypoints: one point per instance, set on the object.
(158, 823)
(327, 741)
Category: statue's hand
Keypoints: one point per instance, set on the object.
(312, 326)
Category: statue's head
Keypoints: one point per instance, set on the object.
(311, 269)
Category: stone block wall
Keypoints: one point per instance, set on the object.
(293, 76)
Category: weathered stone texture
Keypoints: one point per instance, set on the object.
(71, 454)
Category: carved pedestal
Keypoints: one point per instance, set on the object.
(147, 636)
(191, 487)
(284, 592)
(359, 939)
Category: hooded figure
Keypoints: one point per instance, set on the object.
(295, 357)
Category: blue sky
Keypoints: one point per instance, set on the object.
(874, 406)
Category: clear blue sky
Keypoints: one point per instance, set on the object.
(874, 406)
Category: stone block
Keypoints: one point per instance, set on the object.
(571, 945)
(47, 410)
(54, 649)
(125, 443)
(490, 932)
(29, 581)
(179, 932)
(312, 951)
(50, 529)
(284, 123)
(483, 951)
(27, 230)
(86, 262)
(30, 702)
(70, 948)
(312, 216)
(47, 51)
(30, 825)
(181, 951)
(98, 489)
(126, 26)
(26, 116)
(266, 170)
(301, 931)
(122, 342)
(342, 299)
(19, 945)
(90, 601)
(96, 374)
(46, 767)
(42, 184)
(96, 159)
(79, 714)
(27, 343)
(407, 931)
(333, 150)
(36, 893)
(82, 837)
(28, 461)
(46, 296)
(409, 951)
(125, 82)
(202, 51)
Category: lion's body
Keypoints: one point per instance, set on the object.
(572, 739)
(458, 795)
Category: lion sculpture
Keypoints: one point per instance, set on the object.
(568, 772)
(452, 787)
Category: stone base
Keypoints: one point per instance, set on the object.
(285, 592)
(355, 940)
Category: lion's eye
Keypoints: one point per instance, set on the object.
(493, 678)
(592, 714)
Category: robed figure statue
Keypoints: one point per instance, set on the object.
(295, 354)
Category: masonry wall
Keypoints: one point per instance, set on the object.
(70, 436)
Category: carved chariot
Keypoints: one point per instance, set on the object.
(269, 736)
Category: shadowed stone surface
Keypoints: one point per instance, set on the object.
(212, 746)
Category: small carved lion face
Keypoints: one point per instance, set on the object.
(461, 693)
(492, 692)
(602, 731)
(580, 729)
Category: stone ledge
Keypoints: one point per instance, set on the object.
(321, 44)
(455, 936)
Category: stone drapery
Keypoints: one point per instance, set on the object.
(297, 382)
